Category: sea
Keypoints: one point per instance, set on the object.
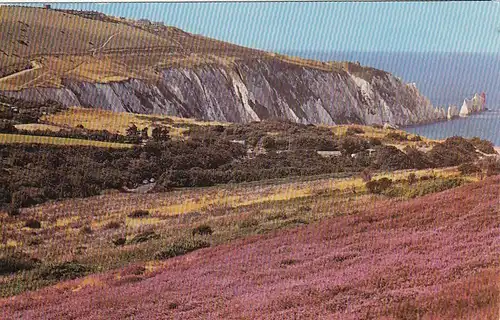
(445, 78)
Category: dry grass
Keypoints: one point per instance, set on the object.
(17, 138)
(37, 126)
(118, 122)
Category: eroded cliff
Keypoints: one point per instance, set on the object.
(252, 90)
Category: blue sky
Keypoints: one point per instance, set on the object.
(308, 26)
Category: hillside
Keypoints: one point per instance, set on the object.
(434, 257)
(141, 67)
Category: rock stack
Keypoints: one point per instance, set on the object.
(474, 105)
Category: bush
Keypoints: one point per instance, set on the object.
(143, 237)
(416, 138)
(492, 166)
(7, 127)
(33, 224)
(396, 136)
(468, 168)
(64, 271)
(12, 211)
(378, 186)
(269, 143)
(424, 187)
(354, 130)
(202, 230)
(366, 175)
(453, 152)
(86, 230)
(374, 142)
(484, 146)
(15, 262)
(419, 159)
(412, 178)
(113, 225)
(391, 158)
(119, 241)
(181, 247)
(138, 214)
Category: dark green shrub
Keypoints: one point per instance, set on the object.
(354, 130)
(248, 223)
(391, 158)
(143, 237)
(86, 230)
(353, 144)
(269, 143)
(484, 146)
(7, 127)
(33, 224)
(416, 138)
(374, 142)
(202, 230)
(419, 159)
(64, 271)
(468, 168)
(12, 211)
(112, 225)
(492, 166)
(412, 178)
(119, 241)
(366, 175)
(15, 262)
(453, 152)
(181, 247)
(138, 214)
(396, 136)
(378, 186)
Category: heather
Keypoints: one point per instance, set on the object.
(113, 230)
(433, 257)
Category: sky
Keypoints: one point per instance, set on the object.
(329, 26)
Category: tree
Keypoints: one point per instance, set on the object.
(132, 131)
(144, 133)
(160, 134)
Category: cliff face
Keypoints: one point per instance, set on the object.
(252, 90)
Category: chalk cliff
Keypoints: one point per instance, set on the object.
(253, 90)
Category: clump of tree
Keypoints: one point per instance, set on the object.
(23, 111)
(453, 152)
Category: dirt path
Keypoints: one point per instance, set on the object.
(34, 64)
(104, 44)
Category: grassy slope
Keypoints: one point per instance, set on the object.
(231, 210)
(6, 138)
(62, 43)
(374, 257)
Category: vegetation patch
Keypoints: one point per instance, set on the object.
(138, 214)
(181, 247)
(64, 271)
(16, 262)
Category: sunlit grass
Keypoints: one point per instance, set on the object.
(6, 138)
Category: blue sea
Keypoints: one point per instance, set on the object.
(445, 78)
